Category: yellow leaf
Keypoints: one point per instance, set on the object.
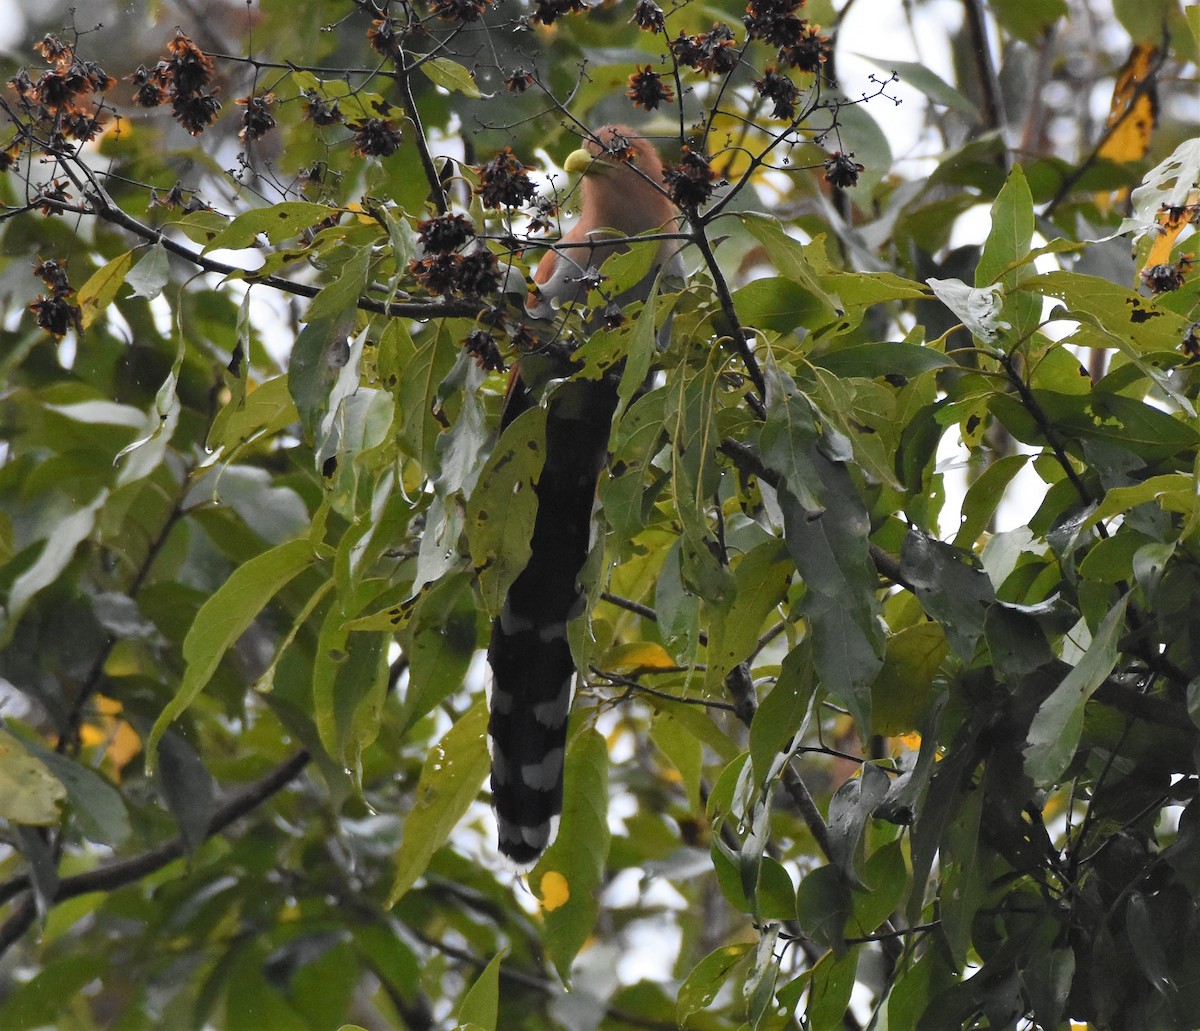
(98, 292)
(106, 705)
(121, 742)
(360, 213)
(125, 744)
(555, 890)
(1134, 110)
(638, 655)
(1172, 221)
(1132, 115)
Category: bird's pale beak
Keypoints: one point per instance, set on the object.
(581, 162)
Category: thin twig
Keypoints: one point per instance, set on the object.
(127, 871)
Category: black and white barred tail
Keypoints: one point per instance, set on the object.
(532, 669)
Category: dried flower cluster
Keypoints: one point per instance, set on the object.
(459, 10)
(445, 233)
(647, 89)
(481, 345)
(183, 78)
(320, 111)
(1161, 279)
(649, 16)
(781, 91)
(713, 53)
(385, 38)
(504, 182)
(690, 182)
(777, 22)
(59, 99)
(55, 313)
(519, 80)
(444, 270)
(376, 137)
(257, 119)
(841, 170)
(547, 12)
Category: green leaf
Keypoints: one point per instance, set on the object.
(1030, 19)
(503, 507)
(964, 887)
(223, 618)
(1054, 733)
(57, 552)
(461, 450)
(571, 872)
(823, 905)
(150, 275)
(832, 984)
(29, 792)
(860, 290)
(1145, 935)
(790, 258)
(1106, 419)
(937, 809)
(449, 783)
(1008, 241)
(984, 497)
(950, 587)
(1169, 489)
(96, 806)
(754, 883)
(39, 1002)
(1131, 321)
(904, 691)
(762, 578)
(317, 356)
(759, 987)
(831, 554)
(481, 1005)
(341, 296)
(893, 358)
(885, 877)
(789, 440)
(849, 810)
(778, 304)
(440, 640)
(349, 684)
(1016, 642)
(783, 713)
(707, 978)
(99, 291)
(1049, 985)
(416, 398)
(278, 222)
(845, 655)
(683, 750)
(187, 787)
(450, 75)
(264, 411)
(642, 349)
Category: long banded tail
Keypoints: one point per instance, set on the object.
(531, 662)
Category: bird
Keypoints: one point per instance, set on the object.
(532, 669)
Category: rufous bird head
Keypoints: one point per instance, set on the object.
(622, 182)
(621, 186)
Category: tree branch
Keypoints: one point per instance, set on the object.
(120, 874)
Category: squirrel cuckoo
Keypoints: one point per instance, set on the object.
(532, 668)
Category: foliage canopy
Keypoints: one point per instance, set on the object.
(850, 748)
